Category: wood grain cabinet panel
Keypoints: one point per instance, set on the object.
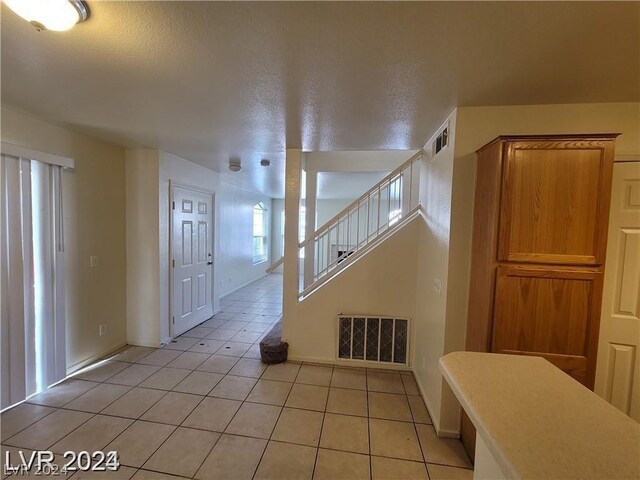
(549, 313)
(555, 195)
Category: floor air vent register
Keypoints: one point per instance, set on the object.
(373, 339)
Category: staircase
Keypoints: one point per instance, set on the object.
(377, 214)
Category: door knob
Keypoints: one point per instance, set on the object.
(209, 263)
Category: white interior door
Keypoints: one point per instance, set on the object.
(618, 369)
(192, 258)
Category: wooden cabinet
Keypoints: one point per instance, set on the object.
(539, 241)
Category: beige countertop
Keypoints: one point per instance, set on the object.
(538, 422)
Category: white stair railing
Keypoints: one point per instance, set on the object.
(382, 209)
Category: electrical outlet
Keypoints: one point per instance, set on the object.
(103, 329)
(93, 261)
(437, 286)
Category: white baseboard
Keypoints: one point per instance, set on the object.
(83, 363)
(142, 343)
(347, 363)
(434, 419)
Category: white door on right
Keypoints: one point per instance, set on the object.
(618, 368)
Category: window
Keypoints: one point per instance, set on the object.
(302, 219)
(302, 228)
(259, 233)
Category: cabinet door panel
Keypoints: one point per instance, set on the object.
(550, 313)
(554, 202)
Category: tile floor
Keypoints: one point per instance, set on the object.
(205, 407)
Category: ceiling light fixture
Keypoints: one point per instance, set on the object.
(235, 165)
(56, 15)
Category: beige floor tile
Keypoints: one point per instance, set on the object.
(159, 357)
(199, 383)
(165, 379)
(98, 398)
(247, 367)
(309, 397)
(134, 403)
(245, 336)
(418, 410)
(150, 475)
(233, 349)
(188, 360)
(138, 442)
(49, 430)
(389, 406)
(233, 388)
(221, 334)
(181, 343)
(441, 472)
(101, 371)
(198, 332)
(445, 451)
(232, 458)
(173, 408)
(384, 382)
(253, 352)
(284, 372)
(132, 354)
(206, 345)
(394, 469)
(259, 327)
(299, 426)
(212, 414)
(334, 465)
(394, 439)
(355, 379)
(63, 393)
(133, 375)
(347, 402)
(218, 364)
(183, 452)
(315, 375)
(235, 325)
(93, 435)
(122, 473)
(410, 385)
(270, 392)
(254, 420)
(346, 433)
(284, 461)
(21, 416)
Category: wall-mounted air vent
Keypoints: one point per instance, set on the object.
(373, 339)
(441, 141)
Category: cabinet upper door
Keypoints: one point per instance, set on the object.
(555, 198)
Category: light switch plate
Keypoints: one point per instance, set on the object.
(93, 261)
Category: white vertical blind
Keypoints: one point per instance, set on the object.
(31, 278)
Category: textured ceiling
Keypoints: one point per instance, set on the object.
(208, 80)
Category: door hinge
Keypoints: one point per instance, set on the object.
(173, 205)
(173, 263)
(173, 320)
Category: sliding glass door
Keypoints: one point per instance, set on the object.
(31, 278)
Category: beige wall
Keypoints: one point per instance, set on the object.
(433, 265)
(382, 282)
(94, 204)
(475, 126)
(143, 272)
